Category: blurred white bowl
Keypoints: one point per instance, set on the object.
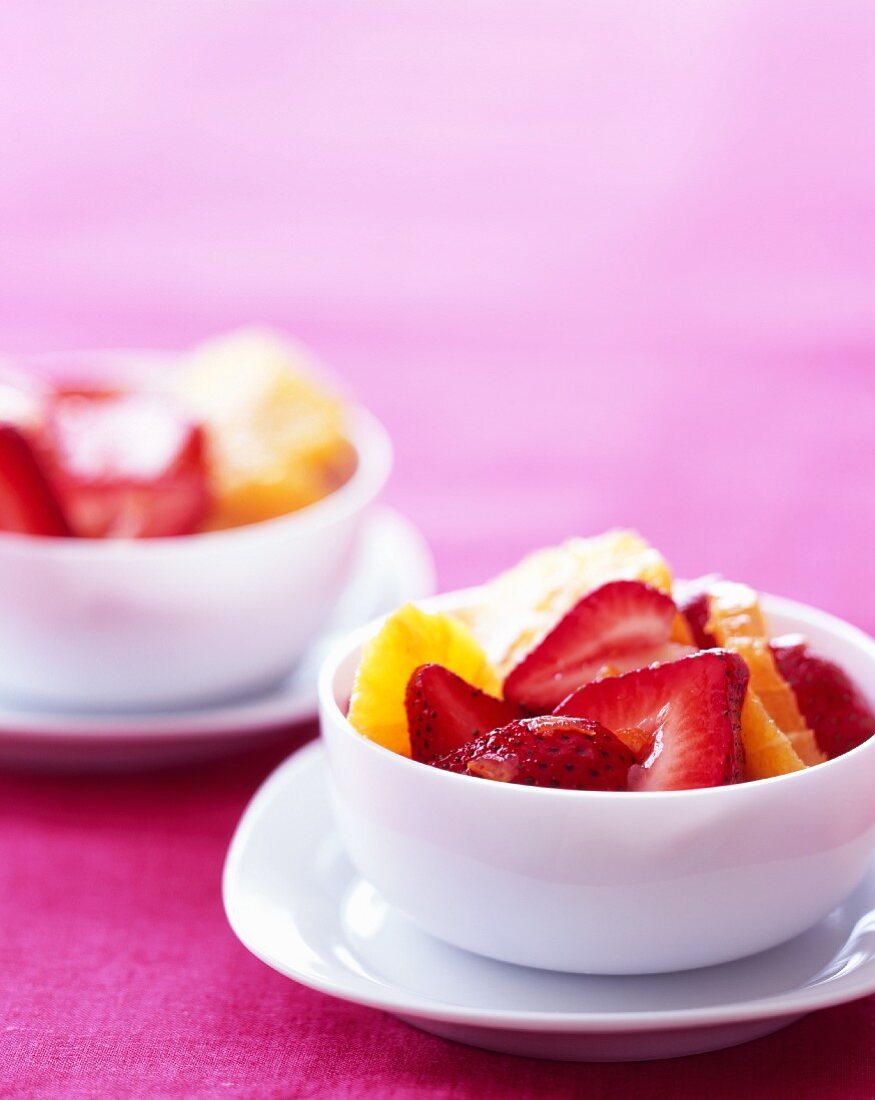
(143, 624)
(599, 882)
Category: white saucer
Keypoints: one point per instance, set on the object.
(294, 900)
(394, 565)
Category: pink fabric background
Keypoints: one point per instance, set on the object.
(592, 264)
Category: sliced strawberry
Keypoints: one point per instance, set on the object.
(691, 711)
(572, 753)
(831, 703)
(444, 712)
(619, 626)
(126, 465)
(27, 503)
(693, 602)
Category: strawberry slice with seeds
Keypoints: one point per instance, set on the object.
(831, 703)
(27, 503)
(126, 464)
(620, 626)
(444, 712)
(574, 754)
(689, 710)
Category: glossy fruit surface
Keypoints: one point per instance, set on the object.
(28, 503)
(690, 710)
(573, 754)
(523, 604)
(277, 436)
(619, 626)
(444, 712)
(834, 707)
(736, 622)
(407, 639)
(125, 465)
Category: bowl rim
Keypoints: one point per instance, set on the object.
(330, 711)
(373, 448)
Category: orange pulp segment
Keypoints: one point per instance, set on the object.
(767, 751)
(408, 639)
(736, 621)
(275, 432)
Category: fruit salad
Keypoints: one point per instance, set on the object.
(243, 431)
(586, 667)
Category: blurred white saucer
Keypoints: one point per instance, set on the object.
(393, 565)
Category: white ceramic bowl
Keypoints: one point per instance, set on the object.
(94, 624)
(606, 883)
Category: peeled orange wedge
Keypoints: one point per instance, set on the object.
(767, 751)
(736, 622)
(523, 604)
(735, 611)
(275, 432)
(408, 639)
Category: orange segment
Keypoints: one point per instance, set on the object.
(680, 631)
(525, 603)
(737, 623)
(735, 608)
(774, 691)
(767, 751)
(408, 639)
(276, 434)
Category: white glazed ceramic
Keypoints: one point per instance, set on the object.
(601, 882)
(295, 901)
(141, 624)
(393, 564)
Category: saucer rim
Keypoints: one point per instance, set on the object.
(231, 718)
(835, 990)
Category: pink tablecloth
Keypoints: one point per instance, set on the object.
(120, 978)
(592, 264)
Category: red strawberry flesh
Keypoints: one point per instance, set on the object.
(693, 602)
(126, 465)
(621, 625)
(444, 712)
(690, 709)
(28, 504)
(831, 703)
(568, 753)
